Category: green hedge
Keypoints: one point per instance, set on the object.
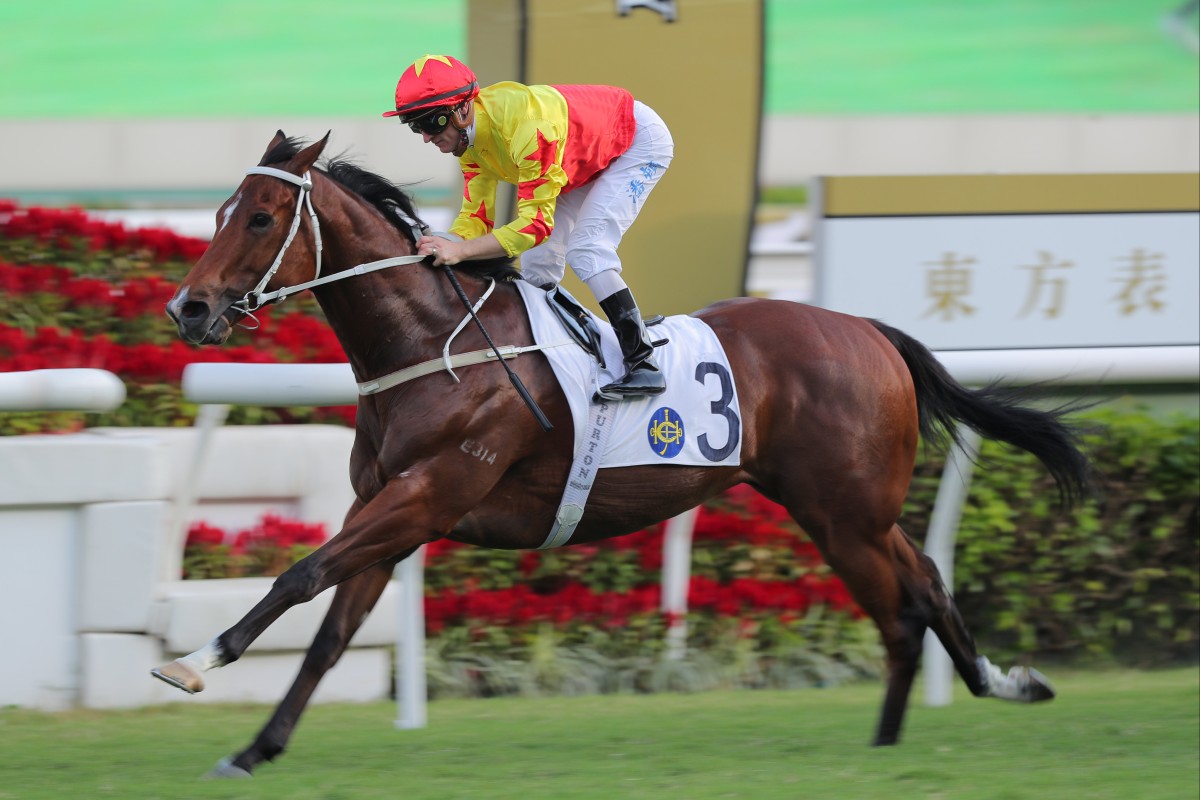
(1117, 579)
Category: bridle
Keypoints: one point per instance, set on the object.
(257, 297)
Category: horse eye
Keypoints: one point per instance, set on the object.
(260, 220)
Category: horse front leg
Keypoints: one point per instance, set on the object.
(393, 523)
(353, 600)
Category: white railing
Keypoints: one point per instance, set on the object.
(61, 390)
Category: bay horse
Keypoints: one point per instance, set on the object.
(832, 408)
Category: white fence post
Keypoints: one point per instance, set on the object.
(676, 575)
(939, 546)
(410, 643)
(209, 417)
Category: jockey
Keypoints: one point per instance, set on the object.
(583, 158)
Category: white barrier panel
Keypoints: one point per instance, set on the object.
(61, 390)
(92, 562)
(271, 384)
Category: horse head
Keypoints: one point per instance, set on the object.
(262, 241)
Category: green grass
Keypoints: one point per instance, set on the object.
(310, 58)
(1116, 735)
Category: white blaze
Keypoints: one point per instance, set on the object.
(229, 211)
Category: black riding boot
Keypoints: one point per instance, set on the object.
(642, 376)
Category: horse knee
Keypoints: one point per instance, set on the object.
(299, 583)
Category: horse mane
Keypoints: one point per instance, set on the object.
(393, 202)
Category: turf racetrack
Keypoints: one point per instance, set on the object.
(1113, 735)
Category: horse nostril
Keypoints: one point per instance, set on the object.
(194, 310)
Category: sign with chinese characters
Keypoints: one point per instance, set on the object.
(1019, 261)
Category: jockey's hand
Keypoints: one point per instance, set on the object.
(443, 251)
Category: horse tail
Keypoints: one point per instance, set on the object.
(993, 412)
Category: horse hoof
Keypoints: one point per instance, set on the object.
(1021, 684)
(225, 768)
(181, 676)
(1034, 686)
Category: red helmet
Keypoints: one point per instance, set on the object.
(433, 81)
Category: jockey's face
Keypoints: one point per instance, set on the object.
(449, 140)
(436, 127)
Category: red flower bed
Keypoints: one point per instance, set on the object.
(71, 228)
(582, 586)
(76, 291)
(265, 549)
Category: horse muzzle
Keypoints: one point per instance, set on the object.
(197, 321)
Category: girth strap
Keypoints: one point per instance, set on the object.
(437, 364)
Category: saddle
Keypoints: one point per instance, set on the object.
(696, 422)
(580, 325)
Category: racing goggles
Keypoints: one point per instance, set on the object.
(431, 122)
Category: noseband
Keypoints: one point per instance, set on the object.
(255, 299)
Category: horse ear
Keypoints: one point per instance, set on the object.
(279, 137)
(303, 161)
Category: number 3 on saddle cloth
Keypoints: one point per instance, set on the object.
(696, 422)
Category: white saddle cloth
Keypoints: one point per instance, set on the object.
(696, 422)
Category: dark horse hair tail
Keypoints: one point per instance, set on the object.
(993, 412)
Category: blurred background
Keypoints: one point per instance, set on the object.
(124, 124)
(104, 101)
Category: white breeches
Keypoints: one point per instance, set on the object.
(590, 221)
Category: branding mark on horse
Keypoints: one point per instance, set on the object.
(474, 448)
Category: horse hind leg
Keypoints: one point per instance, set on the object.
(901, 590)
(982, 677)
